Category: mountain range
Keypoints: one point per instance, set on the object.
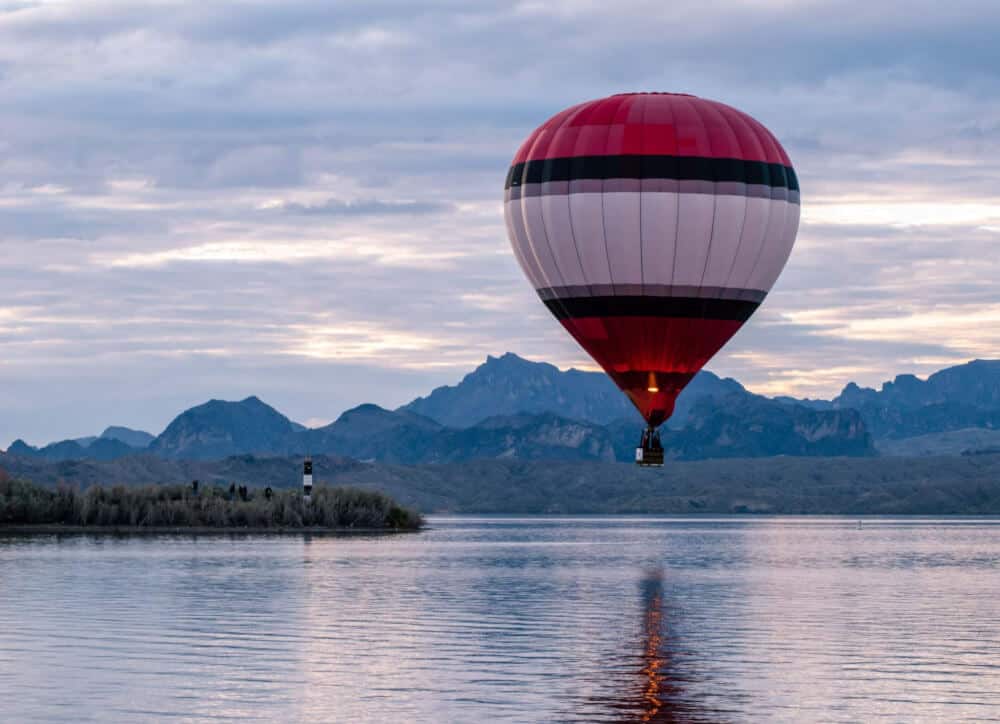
(512, 408)
(114, 442)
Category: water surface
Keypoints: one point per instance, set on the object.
(518, 619)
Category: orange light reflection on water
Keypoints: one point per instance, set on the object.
(654, 662)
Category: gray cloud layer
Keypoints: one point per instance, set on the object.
(301, 200)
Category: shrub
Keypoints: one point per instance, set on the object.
(22, 503)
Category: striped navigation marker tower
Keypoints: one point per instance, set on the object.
(307, 480)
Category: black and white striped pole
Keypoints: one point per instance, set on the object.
(307, 480)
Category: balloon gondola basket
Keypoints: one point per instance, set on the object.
(648, 457)
(649, 454)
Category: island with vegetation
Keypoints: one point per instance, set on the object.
(27, 506)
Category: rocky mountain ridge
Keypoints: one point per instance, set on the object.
(512, 408)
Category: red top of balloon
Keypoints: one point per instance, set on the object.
(673, 124)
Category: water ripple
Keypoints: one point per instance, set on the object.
(538, 619)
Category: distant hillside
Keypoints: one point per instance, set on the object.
(511, 385)
(113, 443)
(369, 432)
(133, 438)
(218, 429)
(372, 433)
(744, 425)
(965, 485)
(974, 384)
(966, 396)
(952, 442)
(96, 449)
(526, 437)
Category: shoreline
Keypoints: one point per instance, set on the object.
(50, 529)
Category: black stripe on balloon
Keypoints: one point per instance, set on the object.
(680, 168)
(737, 310)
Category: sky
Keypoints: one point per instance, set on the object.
(303, 200)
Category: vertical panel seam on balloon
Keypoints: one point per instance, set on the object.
(768, 205)
(604, 225)
(789, 222)
(791, 219)
(752, 130)
(786, 206)
(543, 199)
(569, 209)
(512, 210)
(545, 233)
(531, 243)
(578, 144)
(643, 102)
(770, 211)
(746, 201)
(518, 256)
(789, 210)
(529, 248)
(715, 193)
(677, 194)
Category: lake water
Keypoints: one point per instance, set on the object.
(519, 619)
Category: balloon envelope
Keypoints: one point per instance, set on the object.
(652, 225)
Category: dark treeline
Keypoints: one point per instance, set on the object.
(170, 506)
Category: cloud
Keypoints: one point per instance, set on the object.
(362, 207)
(302, 201)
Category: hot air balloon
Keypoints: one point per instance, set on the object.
(652, 225)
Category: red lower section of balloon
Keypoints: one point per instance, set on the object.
(651, 358)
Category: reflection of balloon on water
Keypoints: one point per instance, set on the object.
(652, 225)
(659, 690)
